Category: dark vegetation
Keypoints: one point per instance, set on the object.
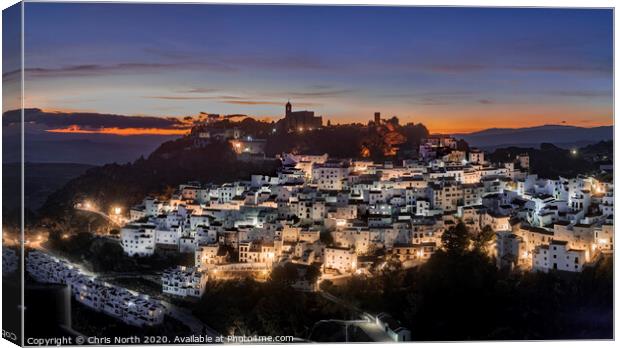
(335, 332)
(459, 294)
(247, 307)
(92, 323)
(100, 254)
(551, 161)
(173, 163)
(350, 140)
(41, 179)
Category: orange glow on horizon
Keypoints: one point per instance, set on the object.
(451, 122)
(120, 131)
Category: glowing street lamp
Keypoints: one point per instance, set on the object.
(525, 254)
(117, 210)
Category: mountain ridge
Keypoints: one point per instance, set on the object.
(550, 133)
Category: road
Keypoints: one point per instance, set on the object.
(374, 332)
(367, 323)
(185, 316)
(181, 314)
(105, 216)
(341, 302)
(346, 324)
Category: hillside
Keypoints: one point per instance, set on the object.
(173, 163)
(550, 161)
(41, 179)
(560, 135)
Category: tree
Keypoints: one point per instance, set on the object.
(312, 273)
(326, 285)
(327, 238)
(456, 239)
(284, 274)
(106, 256)
(483, 240)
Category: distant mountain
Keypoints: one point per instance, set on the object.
(41, 179)
(560, 135)
(43, 144)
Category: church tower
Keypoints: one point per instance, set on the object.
(289, 108)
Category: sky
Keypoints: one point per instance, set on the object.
(453, 69)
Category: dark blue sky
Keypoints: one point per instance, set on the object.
(455, 69)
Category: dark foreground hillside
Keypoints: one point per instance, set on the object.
(550, 161)
(460, 295)
(173, 163)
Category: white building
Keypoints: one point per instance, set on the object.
(127, 306)
(330, 175)
(393, 329)
(343, 260)
(184, 281)
(138, 239)
(557, 256)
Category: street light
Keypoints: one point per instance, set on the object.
(117, 210)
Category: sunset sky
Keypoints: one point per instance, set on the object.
(453, 69)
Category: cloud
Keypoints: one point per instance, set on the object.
(457, 68)
(251, 102)
(321, 87)
(582, 93)
(200, 90)
(435, 98)
(179, 97)
(551, 68)
(248, 100)
(301, 62)
(85, 120)
(74, 129)
(169, 53)
(178, 62)
(100, 70)
(485, 101)
(439, 94)
(265, 102)
(320, 94)
(566, 68)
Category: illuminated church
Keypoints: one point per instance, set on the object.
(299, 121)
